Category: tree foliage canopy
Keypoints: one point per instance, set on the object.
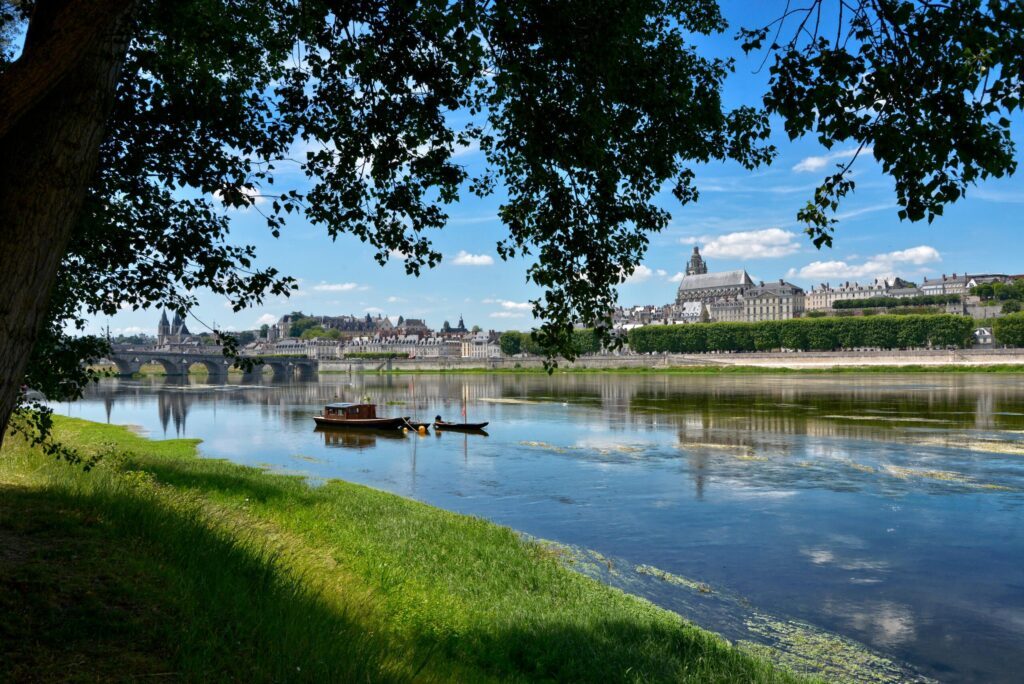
(927, 88)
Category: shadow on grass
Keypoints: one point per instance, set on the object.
(113, 586)
(211, 476)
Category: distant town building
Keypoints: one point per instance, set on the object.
(480, 345)
(946, 285)
(698, 285)
(821, 297)
(174, 333)
(776, 301)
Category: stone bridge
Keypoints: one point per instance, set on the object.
(131, 361)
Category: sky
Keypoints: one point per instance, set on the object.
(743, 219)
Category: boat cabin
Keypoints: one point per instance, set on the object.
(346, 411)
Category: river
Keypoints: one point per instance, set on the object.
(886, 509)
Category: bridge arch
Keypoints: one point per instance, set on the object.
(216, 369)
(171, 366)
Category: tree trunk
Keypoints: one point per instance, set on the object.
(47, 160)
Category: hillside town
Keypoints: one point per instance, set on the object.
(706, 296)
(335, 337)
(703, 296)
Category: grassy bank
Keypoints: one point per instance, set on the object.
(159, 563)
(711, 370)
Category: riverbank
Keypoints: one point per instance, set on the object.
(880, 361)
(160, 563)
(707, 370)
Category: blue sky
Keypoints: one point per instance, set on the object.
(742, 220)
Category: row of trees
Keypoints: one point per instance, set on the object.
(1010, 330)
(894, 302)
(512, 342)
(806, 334)
(1001, 292)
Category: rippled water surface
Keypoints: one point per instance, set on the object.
(886, 509)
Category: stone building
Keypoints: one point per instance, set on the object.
(776, 301)
(173, 333)
(821, 297)
(946, 285)
(727, 311)
(481, 345)
(698, 285)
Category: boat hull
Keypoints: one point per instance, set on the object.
(461, 427)
(366, 423)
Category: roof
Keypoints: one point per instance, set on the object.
(343, 404)
(700, 281)
(776, 288)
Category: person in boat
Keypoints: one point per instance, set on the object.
(437, 419)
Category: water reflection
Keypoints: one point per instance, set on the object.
(348, 438)
(885, 508)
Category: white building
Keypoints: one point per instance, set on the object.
(480, 346)
(777, 301)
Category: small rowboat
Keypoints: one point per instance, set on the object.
(460, 427)
(357, 416)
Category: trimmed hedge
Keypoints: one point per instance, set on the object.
(1010, 330)
(807, 334)
(895, 302)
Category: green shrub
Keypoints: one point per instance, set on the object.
(806, 334)
(1010, 330)
(894, 302)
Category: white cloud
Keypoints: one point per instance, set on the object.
(394, 300)
(677, 278)
(464, 258)
(878, 266)
(266, 319)
(507, 314)
(131, 330)
(817, 163)
(643, 273)
(461, 150)
(338, 287)
(768, 243)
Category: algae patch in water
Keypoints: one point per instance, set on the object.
(498, 400)
(673, 579)
(808, 650)
(942, 475)
(991, 446)
(800, 647)
(543, 445)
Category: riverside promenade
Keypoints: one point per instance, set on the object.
(793, 360)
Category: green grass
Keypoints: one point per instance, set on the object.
(159, 563)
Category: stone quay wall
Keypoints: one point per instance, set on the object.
(795, 360)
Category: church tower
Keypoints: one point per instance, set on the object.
(696, 265)
(163, 329)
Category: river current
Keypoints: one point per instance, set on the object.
(876, 510)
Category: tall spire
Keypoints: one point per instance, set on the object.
(696, 265)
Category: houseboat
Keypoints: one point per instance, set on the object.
(357, 416)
